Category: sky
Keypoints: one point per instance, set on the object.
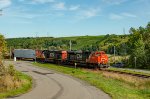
(61, 18)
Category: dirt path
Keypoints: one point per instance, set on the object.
(51, 85)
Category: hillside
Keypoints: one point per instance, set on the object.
(103, 42)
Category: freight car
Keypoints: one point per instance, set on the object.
(24, 54)
(60, 57)
(49, 56)
(78, 57)
(52, 56)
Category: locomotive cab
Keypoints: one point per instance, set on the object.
(98, 58)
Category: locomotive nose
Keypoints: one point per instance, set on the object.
(104, 59)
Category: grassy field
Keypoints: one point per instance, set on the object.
(117, 86)
(23, 88)
(84, 40)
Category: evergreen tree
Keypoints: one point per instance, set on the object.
(139, 52)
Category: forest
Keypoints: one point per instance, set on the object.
(136, 44)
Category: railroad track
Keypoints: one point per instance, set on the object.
(128, 73)
(116, 71)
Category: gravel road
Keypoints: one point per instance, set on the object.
(52, 85)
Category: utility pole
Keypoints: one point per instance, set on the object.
(36, 40)
(135, 61)
(70, 45)
(114, 54)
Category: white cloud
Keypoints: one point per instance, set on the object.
(27, 16)
(89, 13)
(74, 7)
(114, 2)
(115, 16)
(59, 6)
(128, 15)
(63, 6)
(17, 12)
(5, 3)
(121, 16)
(42, 1)
(37, 1)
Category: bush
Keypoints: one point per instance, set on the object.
(11, 70)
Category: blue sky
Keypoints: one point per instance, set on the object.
(57, 18)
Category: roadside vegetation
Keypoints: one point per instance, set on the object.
(118, 86)
(12, 82)
(17, 84)
(130, 71)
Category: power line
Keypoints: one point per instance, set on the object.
(114, 54)
(36, 36)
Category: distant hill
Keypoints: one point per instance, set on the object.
(102, 42)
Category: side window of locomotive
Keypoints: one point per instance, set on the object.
(51, 54)
(79, 56)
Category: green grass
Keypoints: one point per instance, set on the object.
(129, 71)
(117, 89)
(23, 89)
(83, 40)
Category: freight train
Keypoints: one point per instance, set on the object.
(97, 59)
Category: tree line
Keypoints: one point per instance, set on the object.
(39, 43)
(139, 44)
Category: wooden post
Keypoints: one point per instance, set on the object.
(135, 61)
(70, 45)
(114, 55)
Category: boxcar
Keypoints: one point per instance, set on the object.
(24, 53)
